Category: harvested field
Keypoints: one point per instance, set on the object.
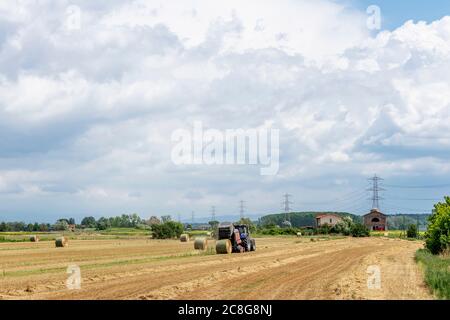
(281, 268)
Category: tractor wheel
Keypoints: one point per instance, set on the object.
(253, 245)
(246, 244)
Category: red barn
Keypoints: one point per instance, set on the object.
(375, 220)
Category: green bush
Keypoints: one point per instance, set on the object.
(359, 230)
(324, 229)
(142, 226)
(274, 231)
(438, 233)
(307, 232)
(344, 227)
(412, 231)
(437, 272)
(167, 230)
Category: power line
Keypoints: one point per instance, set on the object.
(343, 198)
(390, 205)
(415, 199)
(376, 190)
(419, 187)
(358, 206)
(241, 208)
(213, 213)
(287, 208)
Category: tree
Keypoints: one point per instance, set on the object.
(360, 230)
(89, 222)
(153, 220)
(103, 223)
(125, 221)
(167, 230)
(438, 233)
(345, 226)
(71, 221)
(61, 225)
(166, 218)
(135, 220)
(412, 231)
(214, 224)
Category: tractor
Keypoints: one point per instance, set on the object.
(234, 238)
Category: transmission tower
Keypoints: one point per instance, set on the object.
(287, 208)
(213, 213)
(241, 208)
(376, 191)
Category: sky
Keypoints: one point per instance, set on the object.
(396, 13)
(91, 94)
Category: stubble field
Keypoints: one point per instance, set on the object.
(281, 268)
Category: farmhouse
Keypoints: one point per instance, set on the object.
(376, 220)
(327, 219)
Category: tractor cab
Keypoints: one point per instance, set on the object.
(243, 230)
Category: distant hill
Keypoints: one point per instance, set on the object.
(402, 221)
(302, 219)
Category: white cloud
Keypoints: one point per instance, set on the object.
(88, 114)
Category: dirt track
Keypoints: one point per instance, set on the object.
(281, 268)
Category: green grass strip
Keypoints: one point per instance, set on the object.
(437, 272)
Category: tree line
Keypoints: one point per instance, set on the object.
(122, 221)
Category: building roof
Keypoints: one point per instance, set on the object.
(328, 214)
(375, 210)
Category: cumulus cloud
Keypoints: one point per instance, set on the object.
(86, 114)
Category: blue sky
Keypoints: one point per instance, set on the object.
(92, 92)
(396, 12)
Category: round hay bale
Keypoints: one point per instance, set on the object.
(34, 238)
(61, 242)
(223, 247)
(184, 238)
(201, 244)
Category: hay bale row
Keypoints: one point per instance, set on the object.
(201, 244)
(61, 242)
(223, 247)
(184, 238)
(34, 238)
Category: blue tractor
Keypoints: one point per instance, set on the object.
(234, 238)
